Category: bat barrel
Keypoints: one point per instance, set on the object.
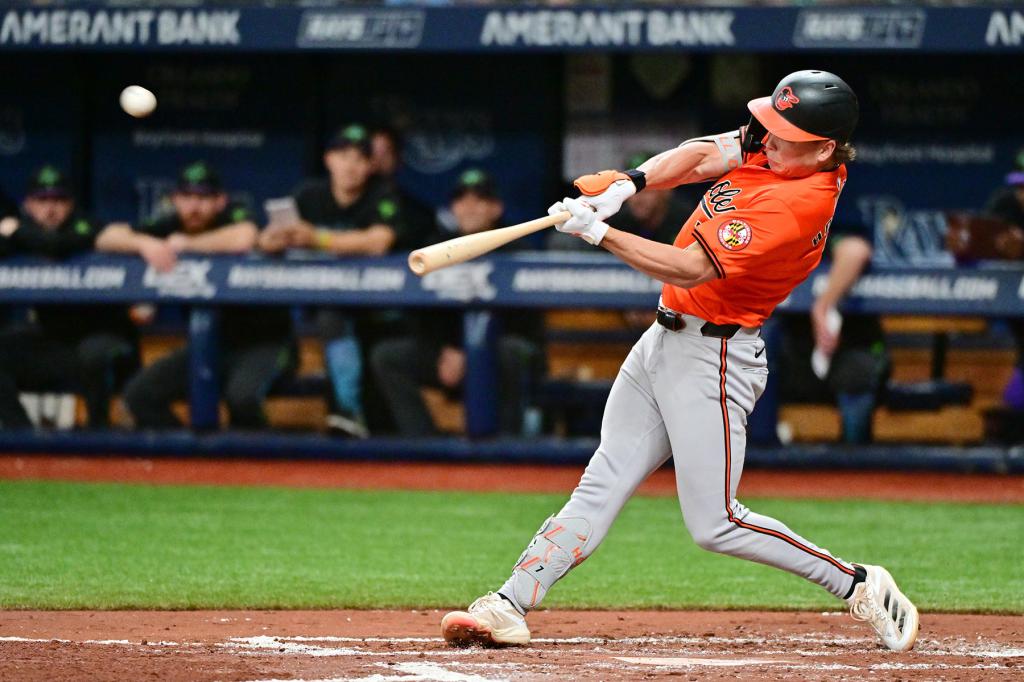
(417, 263)
(467, 247)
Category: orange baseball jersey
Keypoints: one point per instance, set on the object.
(764, 234)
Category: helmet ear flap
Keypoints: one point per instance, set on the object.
(752, 136)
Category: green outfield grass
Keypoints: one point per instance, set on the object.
(65, 545)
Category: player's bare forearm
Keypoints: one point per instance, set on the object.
(849, 258)
(679, 267)
(692, 161)
(235, 238)
(121, 238)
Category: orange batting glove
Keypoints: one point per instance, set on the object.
(606, 191)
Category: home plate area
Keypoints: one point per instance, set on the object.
(383, 646)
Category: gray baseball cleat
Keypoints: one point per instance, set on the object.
(490, 621)
(878, 601)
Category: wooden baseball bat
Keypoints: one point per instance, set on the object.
(461, 249)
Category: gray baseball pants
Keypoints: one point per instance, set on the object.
(684, 395)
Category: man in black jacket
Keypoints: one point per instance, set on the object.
(351, 212)
(257, 342)
(1007, 204)
(87, 348)
(432, 354)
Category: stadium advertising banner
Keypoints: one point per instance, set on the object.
(501, 28)
(539, 280)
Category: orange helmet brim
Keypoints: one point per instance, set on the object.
(778, 126)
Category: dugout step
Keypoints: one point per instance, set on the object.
(934, 394)
(301, 386)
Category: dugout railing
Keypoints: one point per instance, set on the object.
(532, 280)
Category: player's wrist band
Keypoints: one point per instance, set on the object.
(638, 177)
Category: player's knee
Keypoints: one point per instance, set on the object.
(707, 541)
(709, 533)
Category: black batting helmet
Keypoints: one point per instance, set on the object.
(808, 105)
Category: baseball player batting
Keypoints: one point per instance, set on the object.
(686, 388)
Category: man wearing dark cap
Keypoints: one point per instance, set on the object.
(432, 356)
(91, 348)
(386, 144)
(257, 342)
(202, 220)
(1007, 204)
(349, 213)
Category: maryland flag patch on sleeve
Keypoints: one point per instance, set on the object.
(734, 235)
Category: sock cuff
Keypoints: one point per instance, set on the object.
(859, 576)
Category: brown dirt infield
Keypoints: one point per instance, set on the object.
(579, 645)
(886, 485)
(586, 645)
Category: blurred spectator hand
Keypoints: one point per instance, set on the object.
(178, 242)
(451, 367)
(826, 334)
(274, 238)
(159, 254)
(1010, 242)
(8, 226)
(301, 235)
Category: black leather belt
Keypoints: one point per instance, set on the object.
(674, 322)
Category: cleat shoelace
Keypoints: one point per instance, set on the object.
(865, 608)
(489, 599)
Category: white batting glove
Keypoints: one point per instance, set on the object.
(583, 224)
(606, 191)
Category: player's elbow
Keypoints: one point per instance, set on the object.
(681, 282)
(694, 268)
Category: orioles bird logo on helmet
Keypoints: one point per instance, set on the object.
(786, 99)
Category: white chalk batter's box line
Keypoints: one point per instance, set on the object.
(425, 671)
(298, 644)
(930, 646)
(452, 670)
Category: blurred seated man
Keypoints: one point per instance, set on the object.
(350, 213)
(1007, 204)
(432, 354)
(386, 159)
(91, 347)
(829, 356)
(257, 345)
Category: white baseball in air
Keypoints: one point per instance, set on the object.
(137, 101)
